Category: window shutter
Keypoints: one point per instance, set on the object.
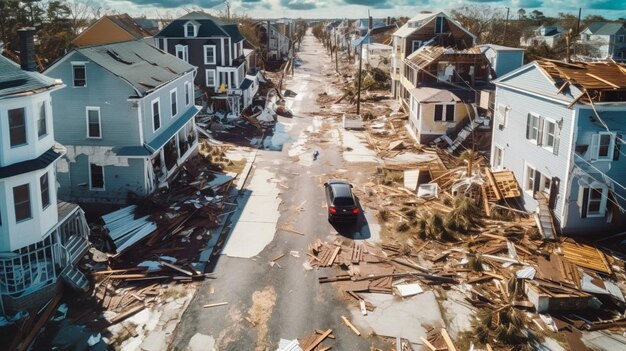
(557, 139)
(594, 148)
(528, 122)
(583, 201)
(618, 141)
(540, 131)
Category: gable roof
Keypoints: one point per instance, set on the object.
(14, 80)
(604, 28)
(111, 29)
(140, 64)
(433, 95)
(419, 20)
(209, 26)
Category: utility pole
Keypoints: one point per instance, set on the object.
(336, 60)
(506, 24)
(580, 10)
(227, 3)
(358, 94)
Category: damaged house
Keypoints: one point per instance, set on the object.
(217, 50)
(559, 127)
(41, 239)
(126, 118)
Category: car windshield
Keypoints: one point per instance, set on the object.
(344, 201)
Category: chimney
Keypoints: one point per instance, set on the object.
(27, 48)
(388, 20)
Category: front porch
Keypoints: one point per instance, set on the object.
(28, 276)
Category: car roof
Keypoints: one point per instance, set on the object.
(341, 189)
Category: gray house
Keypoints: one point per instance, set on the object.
(608, 38)
(126, 118)
(559, 127)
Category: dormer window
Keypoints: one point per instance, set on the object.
(190, 30)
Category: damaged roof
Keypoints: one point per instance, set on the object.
(427, 54)
(589, 76)
(140, 64)
(14, 80)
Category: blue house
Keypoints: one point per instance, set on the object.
(41, 239)
(559, 127)
(503, 59)
(126, 118)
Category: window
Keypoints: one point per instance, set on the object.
(602, 146)
(96, 177)
(182, 53)
(544, 184)
(416, 45)
(161, 43)
(190, 30)
(532, 127)
(502, 116)
(548, 134)
(17, 127)
(444, 113)
(620, 38)
(529, 179)
(210, 78)
(498, 157)
(45, 191)
(21, 198)
(80, 75)
(209, 54)
(592, 201)
(156, 115)
(174, 102)
(441, 26)
(187, 93)
(94, 130)
(42, 128)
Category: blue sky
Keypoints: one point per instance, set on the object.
(357, 8)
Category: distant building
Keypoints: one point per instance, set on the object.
(127, 120)
(41, 238)
(607, 40)
(560, 127)
(502, 59)
(548, 35)
(217, 49)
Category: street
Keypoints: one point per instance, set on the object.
(284, 300)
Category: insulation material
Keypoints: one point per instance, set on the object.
(101, 156)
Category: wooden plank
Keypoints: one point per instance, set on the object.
(318, 340)
(319, 331)
(447, 339)
(333, 256)
(215, 304)
(428, 344)
(277, 257)
(121, 316)
(350, 325)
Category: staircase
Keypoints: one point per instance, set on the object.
(75, 278)
(543, 217)
(76, 246)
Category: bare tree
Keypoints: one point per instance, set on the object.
(483, 21)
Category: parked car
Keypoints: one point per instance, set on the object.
(341, 202)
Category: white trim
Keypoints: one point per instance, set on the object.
(188, 94)
(93, 108)
(230, 51)
(158, 102)
(570, 161)
(175, 91)
(544, 134)
(184, 49)
(214, 54)
(525, 179)
(533, 93)
(444, 112)
(140, 121)
(499, 166)
(603, 199)
(222, 50)
(91, 188)
(84, 65)
(535, 140)
(195, 30)
(206, 78)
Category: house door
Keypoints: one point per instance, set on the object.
(554, 192)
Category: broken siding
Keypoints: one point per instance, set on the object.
(518, 151)
(119, 181)
(588, 125)
(119, 124)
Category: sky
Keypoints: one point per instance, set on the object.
(611, 9)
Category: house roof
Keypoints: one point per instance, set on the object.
(589, 76)
(604, 28)
(247, 82)
(495, 47)
(128, 24)
(433, 95)
(419, 20)
(233, 32)
(209, 26)
(14, 80)
(101, 32)
(41, 162)
(140, 64)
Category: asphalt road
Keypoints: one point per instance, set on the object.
(285, 301)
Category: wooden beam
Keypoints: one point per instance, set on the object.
(428, 344)
(447, 339)
(318, 340)
(603, 80)
(350, 325)
(215, 304)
